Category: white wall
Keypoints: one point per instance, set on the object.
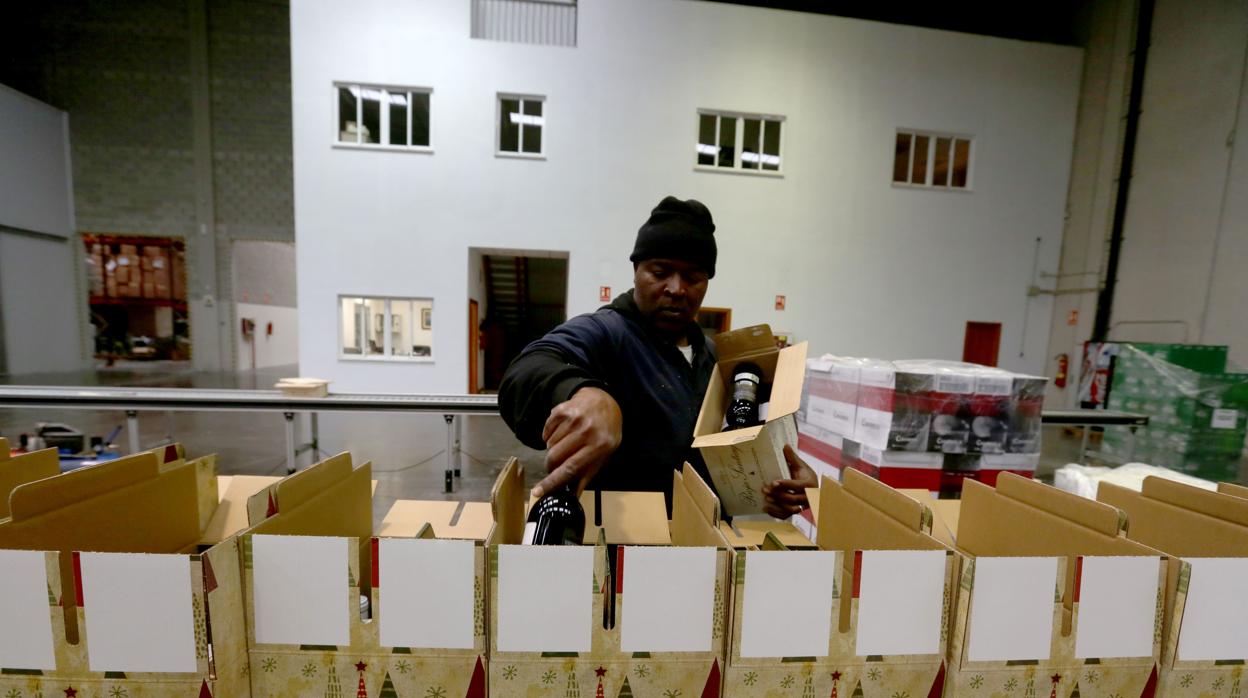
(1185, 236)
(40, 273)
(280, 349)
(867, 268)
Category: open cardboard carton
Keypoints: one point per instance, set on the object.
(802, 624)
(743, 534)
(1205, 643)
(307, 564)
(1055, 600)
(743, 460)
(108, 591)
(648, 623)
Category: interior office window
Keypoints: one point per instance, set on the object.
(931, 160)
(741, 142)
(520, 124)
(389, 117)
(386, 328)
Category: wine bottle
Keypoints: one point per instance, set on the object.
(743, 410)
(556, 519)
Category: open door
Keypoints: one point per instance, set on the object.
(474, 346)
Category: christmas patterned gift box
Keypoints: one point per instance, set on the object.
(1205, 643)
(650, 623)
(139, 615)
(310, 565)
(871, 604)
(1054, 601)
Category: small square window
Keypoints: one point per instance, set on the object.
(931, 160)
(741, 142)
(521, 123)
(386, 328)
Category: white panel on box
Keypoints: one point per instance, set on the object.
(773, 580)
(669, 599)
(1012, 608)
(426, 593)
(1215, 617)
(900, 603)
(299, 590)
(24, 605)
(139, 612)
(545, 598)
(1117, 607)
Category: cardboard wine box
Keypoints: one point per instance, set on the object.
(1054, 599)
(1205, 645)
(741, 461)
(638, 610)
(310, 563)
(863, 615)
(110, 589)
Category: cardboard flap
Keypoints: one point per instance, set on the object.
(907, 511)
(630, 518)
(507, 500)
(1071, 507)
(1216, 504)
(848, 522)
(690, 525)
(701, 494)
(35, 498)
(343, 506)
(22, 469)
(786, 388)
(1174, 529)
(1000, 525)
(1233, 489)
(121, 506)
(739, 344)
(231, 514)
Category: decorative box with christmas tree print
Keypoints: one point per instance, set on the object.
(1205, 644)
(605, 666)
(863, 514)
(1023, 520)
(146, 503)
(334, 499)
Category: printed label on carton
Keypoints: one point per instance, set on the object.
(1225, 419)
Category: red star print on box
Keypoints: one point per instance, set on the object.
(71, 692)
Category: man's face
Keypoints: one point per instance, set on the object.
(669, 292)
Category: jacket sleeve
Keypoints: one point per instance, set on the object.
(549, 371)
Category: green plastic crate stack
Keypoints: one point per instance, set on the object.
(1198, 411)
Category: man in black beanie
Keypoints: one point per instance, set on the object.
(614, 395)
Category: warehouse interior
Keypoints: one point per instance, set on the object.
(1025, 226)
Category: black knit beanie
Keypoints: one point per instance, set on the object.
(678, 230)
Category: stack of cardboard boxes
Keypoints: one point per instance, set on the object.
(127, 270)
(919, 424)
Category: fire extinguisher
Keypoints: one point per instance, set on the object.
(1063, 366)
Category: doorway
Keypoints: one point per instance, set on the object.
(137, 297)
(515, 297)
(982, 343)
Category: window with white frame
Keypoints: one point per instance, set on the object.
(383, 117)
(385, 328)
(938, 161)
(520, 125)
(739, 142)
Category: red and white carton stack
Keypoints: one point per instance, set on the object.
(919, 424)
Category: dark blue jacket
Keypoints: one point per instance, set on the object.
(615, 349)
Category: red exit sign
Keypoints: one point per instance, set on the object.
(604, 293)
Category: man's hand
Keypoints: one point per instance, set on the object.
(580, 435)
(784, 498)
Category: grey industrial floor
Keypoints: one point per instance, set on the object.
(408, 451)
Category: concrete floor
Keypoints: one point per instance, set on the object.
(408, 451)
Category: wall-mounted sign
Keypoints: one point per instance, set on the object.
(779, 302)
(604, 293)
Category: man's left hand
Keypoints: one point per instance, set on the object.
(784, 498)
